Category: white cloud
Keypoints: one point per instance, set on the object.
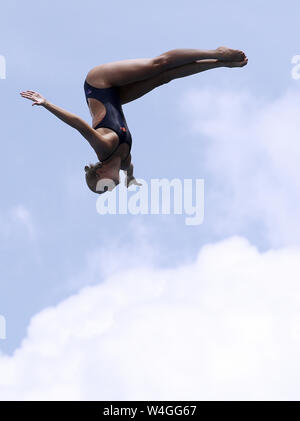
(117, 255)
(22, 215)
(15, 221)
(251, 149)
(225, 327)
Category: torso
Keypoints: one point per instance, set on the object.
(98, 111)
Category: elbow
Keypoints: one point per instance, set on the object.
(77, 123)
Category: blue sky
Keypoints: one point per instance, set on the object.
(49, 226)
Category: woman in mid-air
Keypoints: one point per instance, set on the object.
(110, 85)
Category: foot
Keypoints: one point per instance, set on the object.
(228, 54)
(234, 63)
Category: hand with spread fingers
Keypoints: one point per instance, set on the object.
(37, 98)
(132, 181)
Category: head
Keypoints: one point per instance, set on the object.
(102, 176)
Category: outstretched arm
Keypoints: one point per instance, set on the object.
(92, 136)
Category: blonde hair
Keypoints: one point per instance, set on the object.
(91, 177)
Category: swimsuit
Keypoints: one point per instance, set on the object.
(114, 118)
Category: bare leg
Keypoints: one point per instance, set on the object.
(123, 72)
(179, 57)
(199, 66)
(136, 90)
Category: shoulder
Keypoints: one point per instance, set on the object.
(97, 141)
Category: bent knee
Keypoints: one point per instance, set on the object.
(161, 62)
